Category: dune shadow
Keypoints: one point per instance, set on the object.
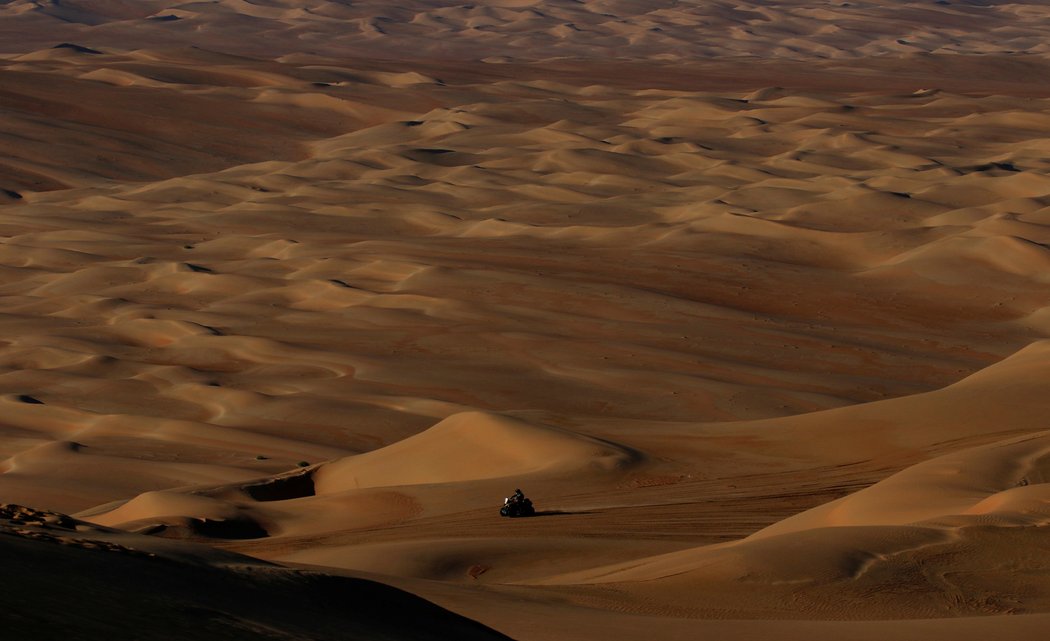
(296, 485)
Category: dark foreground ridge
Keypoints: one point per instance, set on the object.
(65, 581)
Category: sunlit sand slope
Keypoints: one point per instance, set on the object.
(954, 535)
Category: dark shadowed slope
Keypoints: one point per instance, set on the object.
(66, 580)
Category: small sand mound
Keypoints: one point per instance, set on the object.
(155, 505)
(181, 515)
(471, 446)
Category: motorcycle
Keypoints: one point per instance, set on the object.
(517, 508)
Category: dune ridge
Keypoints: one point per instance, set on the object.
(191, 590)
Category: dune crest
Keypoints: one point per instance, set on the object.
(471, 446)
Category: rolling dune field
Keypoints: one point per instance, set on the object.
(752, 299)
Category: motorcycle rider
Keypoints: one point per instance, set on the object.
(517, 505)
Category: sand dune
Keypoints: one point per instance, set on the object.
(554, 28)
(890, 546)
(944, 537)
(471, 446)
(750, 299)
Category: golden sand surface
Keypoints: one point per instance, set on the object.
(750, 298)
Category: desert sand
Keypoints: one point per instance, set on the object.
(750, 298)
